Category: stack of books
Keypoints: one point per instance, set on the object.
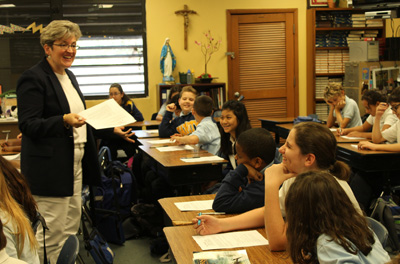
(354, 35)
(376, 22)
(358, 20)
(331, 39)
(331, 61)
(322, 82)
(322, 110)
(324, 20)
(342, 19)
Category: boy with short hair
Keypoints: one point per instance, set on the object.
(342, 109)
(185, 123)
(255, 151)
(206, 134)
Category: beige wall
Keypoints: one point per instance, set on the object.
(162, 22)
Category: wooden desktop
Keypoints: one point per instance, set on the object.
(183, 245)
(178, 172)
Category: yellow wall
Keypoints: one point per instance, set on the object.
(162, 22)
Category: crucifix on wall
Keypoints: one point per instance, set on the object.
(185, 13)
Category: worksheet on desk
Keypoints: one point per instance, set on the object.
(231, 240)
(195, 205)
(107, 114)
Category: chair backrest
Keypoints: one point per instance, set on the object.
(69, 251)
(153, 116)
(379, 229)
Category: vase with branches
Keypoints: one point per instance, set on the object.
(208, 48)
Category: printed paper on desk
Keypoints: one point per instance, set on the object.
(160, 141)
(152, 131)
(175, 148)
(353, 138)
(106, 115)
(195, 205)
(202, 159)
(12, 157)
(231, 240)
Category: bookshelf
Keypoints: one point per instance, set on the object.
(215, 90)
(329, 30)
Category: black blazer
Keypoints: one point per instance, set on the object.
(47, 154)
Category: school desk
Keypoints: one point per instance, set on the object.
(368, 160)
(183, 245)
(176, 217)
(10, 127)
(145, 134)
(144, 124)
(178, 172)
(271, 125)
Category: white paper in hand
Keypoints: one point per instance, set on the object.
(106, 115)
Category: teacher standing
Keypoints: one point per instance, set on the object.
(58, 148)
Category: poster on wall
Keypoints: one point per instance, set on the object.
(317, 3)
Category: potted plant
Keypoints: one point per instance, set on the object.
(208, 47)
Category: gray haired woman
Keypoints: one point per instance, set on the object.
(58, 148)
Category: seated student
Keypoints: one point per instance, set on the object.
(206, 133)
(124, 101)
(4, 257)
(391, 134)
(371, 100)
(324, 227)
(173, 91)
(17, 210)
(233, 121)
(342, 109)
(309, 146)
(255, 151)
(115, 142)
(185, 123)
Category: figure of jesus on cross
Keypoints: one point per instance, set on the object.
(185, 13)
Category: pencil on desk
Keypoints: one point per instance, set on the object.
(213, 213)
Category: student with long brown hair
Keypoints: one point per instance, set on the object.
(324, 227)
(309, 146)
(17, 208)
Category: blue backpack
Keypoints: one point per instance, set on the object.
(114, 198)
(309, 118)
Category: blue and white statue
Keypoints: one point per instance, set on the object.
(167, 62)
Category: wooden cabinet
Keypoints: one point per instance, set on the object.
(215, 90)
(327, 50)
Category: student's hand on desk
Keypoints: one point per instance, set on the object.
(74, 120)
(208, 225)
(365, 145)
(124, 134)
(253, 174)
(341, 131)
(355, 134)
(11, 148)
(171, 107)
(276, 174)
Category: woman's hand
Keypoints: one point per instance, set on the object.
(119, 131)
(208, 225)
(277, 174)
(74, 120)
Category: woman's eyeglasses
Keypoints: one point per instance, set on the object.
(67, 46)
(114, 94)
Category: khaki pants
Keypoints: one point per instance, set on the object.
(62, 214)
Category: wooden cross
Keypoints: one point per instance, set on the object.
(185, 13)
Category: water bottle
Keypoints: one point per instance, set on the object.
(189, 77)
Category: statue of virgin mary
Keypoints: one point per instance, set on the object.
(167, 62)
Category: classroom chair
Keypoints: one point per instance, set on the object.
(379, 229)
(69, 251)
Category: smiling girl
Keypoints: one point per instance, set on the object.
(309, 146)
(233, 121)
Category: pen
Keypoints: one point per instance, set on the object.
(340, 130)
(214, 213)
(199, 221)
(160, 146)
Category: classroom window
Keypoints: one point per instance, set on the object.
(101, 61)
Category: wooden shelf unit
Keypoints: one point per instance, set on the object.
(312, 32)
(202, 88)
